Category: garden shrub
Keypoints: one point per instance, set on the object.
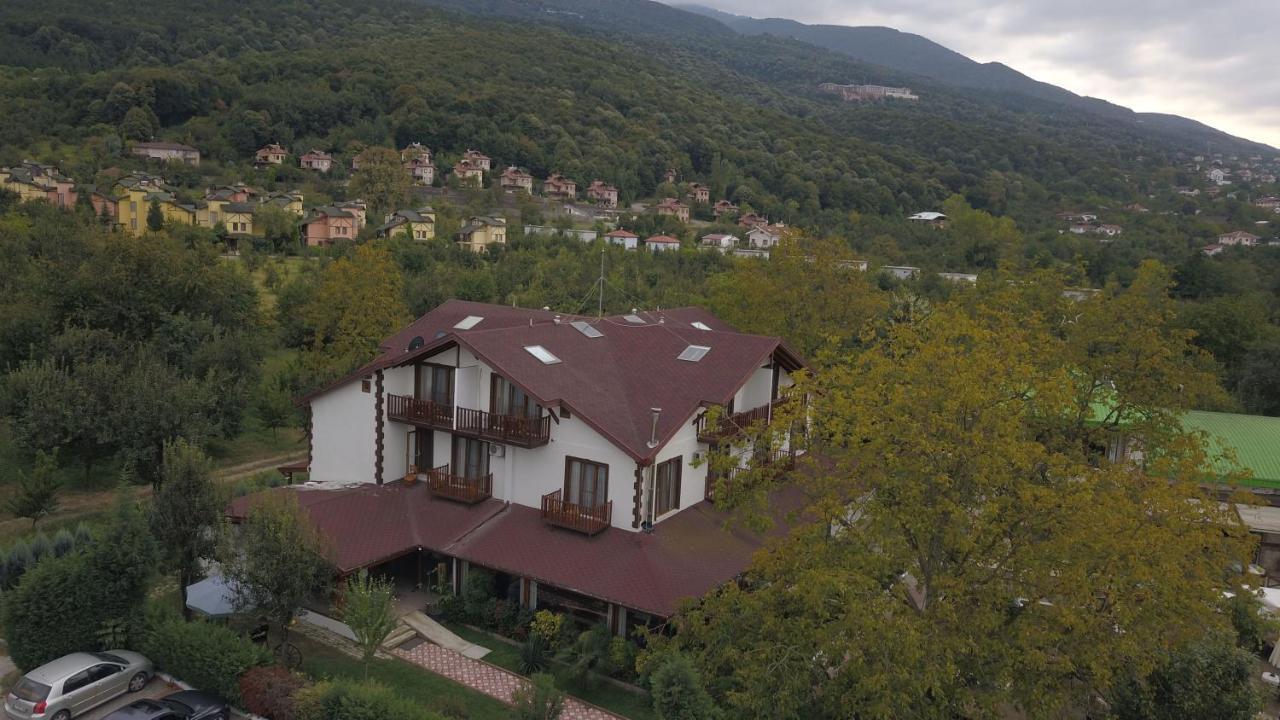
(41, 547)
(548, 626)
(16, 563)
(622, 658)
(533, 655)
(539, 699)
(270, 691)
(63, 543)
(347, 700)
(210, 657)
(51, 612)
(678, 693)
(477, 594)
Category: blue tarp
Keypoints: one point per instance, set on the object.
(213, 597)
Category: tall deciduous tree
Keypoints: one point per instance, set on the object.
(962, 556)
(186, 512)
(277, 560)
(368, 611)
(358, 302)
(381, 181)
(37, 493)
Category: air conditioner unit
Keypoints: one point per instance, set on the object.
(497, 450)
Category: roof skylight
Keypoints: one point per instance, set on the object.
(586, 329)
(633, 319)
(700, 325)
(543, 354)
(694, 353)
(468, 322)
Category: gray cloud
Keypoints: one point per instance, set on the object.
(1212, 61)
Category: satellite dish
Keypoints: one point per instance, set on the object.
(416, 343)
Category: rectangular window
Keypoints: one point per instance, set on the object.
(435, 383)
(505, 398)
(586, 483)
(470, 457)
(421, 450)
(666, 496)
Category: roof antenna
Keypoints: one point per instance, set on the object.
(653, 428)
(600, 300)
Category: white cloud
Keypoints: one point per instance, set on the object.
(1211, 61)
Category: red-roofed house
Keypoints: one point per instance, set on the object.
(625, 238)
(720, 241)
(468, 173)
(699, 193)
(317, 160)
(544, 447)
(660, 243)
(478, 159)
(271, 154)
(559, 187)
(326, 225)
(513, 178)
(1238, 237)
(674, 208)
(602, 194)
(724, 207)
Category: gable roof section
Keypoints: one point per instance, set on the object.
(1255, 439)
(611, 382)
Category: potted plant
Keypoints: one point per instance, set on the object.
(411, 476)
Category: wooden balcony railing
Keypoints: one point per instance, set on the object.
(469, 490)
(515, 430)
(730, 425)
(583, 518)
(420, 412)
(781, 460)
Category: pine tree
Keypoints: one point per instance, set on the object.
(155, 217)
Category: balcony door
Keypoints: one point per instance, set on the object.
(470, 457)
(420, 449)
(586, 483)
(505, 398)
(434, 383)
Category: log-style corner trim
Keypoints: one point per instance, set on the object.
(311, 437)
(380, 428)
(635, 514)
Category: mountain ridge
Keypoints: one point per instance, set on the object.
(912, 53)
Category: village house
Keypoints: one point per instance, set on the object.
(271, 154)
(1187, 191)
(514, 178)
(482, 231)
(900, 272)
(290, 200)
(751, 220)
(1213, 249)
(660, 243)
(669, 176)
(420, 170)
(486, 436)
(764, 237)
(719, 241)
(559, 187)
(854, 93)
(478, 159)
(673, 208)
(625, 238)
(1219, 176)
(959, 277)
(1079, 228)
(232, 206)
(1238, 237)
(1137, 208)
(31, 180)
(317, 160)
(930, 218)
(722, 208)
(129, 201)
(415, 151)
(699, 193)
(419, 224)
(167, 152)
(468, 174)
(1268, 203)
(1107, 230)
(602, 194)
(325, 225)
(1075, 216)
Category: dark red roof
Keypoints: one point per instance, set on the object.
(610, 381)
(686, 556)
(369, 524)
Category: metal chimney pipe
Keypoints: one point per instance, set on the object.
(653, 427)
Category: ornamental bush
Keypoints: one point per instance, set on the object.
(51, 611)
(678, 693)
(271, 691)
(346, 700)
(208, 656)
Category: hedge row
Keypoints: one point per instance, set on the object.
(208, 656)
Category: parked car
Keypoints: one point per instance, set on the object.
(184, 705)
(75, 684)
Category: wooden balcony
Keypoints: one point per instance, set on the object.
(584, 519)
(515, 430)
(779, 460)
(469, 490)
(730, 425)
(424, 413)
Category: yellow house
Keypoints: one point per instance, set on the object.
(131, 197)
(35, 181)
(237, 218)
(482, 231)
(420, 224)
(291, 201)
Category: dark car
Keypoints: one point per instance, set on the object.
(185, 705)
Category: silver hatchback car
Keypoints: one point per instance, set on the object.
(76, 683)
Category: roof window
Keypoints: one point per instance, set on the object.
(694, 353)
(468, 322)
(543, 354)
(586, 329)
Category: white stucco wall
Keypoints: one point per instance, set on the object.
(692, 479)
(342, 431)
(395, 435)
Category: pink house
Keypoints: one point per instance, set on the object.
(327, 224)
(674, 208)
(602, 194)
(699, 193)
(559, 187)
(316, 160)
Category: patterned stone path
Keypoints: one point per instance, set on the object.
(488, 679)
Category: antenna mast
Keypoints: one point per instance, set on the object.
(600, 300)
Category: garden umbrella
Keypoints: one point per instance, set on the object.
(213, 597)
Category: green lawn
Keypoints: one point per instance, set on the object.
(433, 691)
(627, 704)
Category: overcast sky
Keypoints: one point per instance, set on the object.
(1212, 60)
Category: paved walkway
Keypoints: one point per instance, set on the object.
(488, 679)
(442, 636)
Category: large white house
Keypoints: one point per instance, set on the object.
(564, 453)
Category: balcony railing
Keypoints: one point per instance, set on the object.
(515, 430)
(469, 490)
(730, 425)
(420, 412)
(583, 518)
